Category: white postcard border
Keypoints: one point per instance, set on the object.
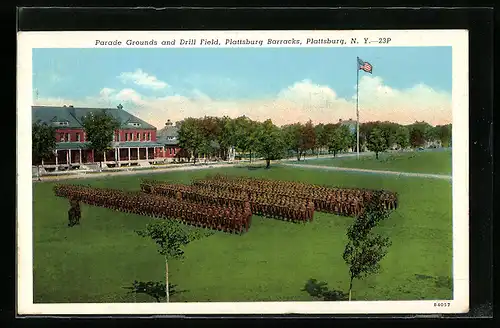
(457, 39)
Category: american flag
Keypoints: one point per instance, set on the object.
(365, 66)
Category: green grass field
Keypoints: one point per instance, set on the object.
(93, 262)
(436, 162)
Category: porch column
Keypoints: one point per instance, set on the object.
(104, 155)
(69, 156)
(42, 162)
(56, 157)
(147, 156)
(93, 157)
(80, 156)
(129, 154)
(138, 157)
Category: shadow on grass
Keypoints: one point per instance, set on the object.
(319, 289)
(440, 281)
(154, 289)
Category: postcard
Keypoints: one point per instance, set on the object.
(243, 172)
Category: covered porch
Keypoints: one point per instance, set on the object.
(77, 155)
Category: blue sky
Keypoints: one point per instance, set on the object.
(234, 74)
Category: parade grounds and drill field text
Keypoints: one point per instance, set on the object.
(306, 172)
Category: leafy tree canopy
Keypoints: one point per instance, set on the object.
(43, 138)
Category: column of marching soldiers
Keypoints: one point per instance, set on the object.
(227, 203)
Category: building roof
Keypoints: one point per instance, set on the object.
(71, 117)
(168, 134)
(168, 131)
(71, 145)
(166, 141)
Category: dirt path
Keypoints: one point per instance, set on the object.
(347, 169)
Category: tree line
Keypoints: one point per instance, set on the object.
(214, 136)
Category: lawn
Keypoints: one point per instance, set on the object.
(96, 261)
(436, 162)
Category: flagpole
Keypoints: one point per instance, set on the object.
(357, 106)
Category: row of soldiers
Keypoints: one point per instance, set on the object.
(327, 201)
(269, 205)
(308, 190)
(228, 219)
(288, 209)
(342, 201)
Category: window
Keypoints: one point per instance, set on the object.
(61, 137)
(126, 136)
(139, 136)
(149, 136)
(170, 151)
(119, 137)
(68, 137)
(78, 137)
(144, 136)
(174, 151)
(131, 136)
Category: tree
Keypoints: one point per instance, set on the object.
(363, 255)
(192, 136)
(321, 142)
(308, 140)
(170, 238)
(365, 129)
(339, 140)
(444, 134)
(292, 137)
(327, 134)
(270, 142)
(43, 138)
(431, 134)
(402, 137)
(377, 142)
(364, 250)
(245, 135)
(389, 131)
(419, 132)
(100, 129)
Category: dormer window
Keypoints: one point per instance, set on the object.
(61, 123)
(134, 124)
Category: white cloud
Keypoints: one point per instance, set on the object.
(143, 79)
(300, 101)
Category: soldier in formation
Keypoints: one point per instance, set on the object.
(230, 219)
(74, 212)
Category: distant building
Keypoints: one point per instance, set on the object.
(349, 123)
(168, 138)
(134, 141)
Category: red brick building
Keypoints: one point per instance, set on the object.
(168, 137)
(135, 141)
